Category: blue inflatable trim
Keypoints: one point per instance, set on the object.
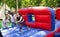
(52, 18)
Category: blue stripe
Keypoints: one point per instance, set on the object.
(52, 18)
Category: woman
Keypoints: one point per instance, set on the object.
(12, 15)
(4, 22)
(20, 22)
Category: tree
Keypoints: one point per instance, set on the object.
(28, 3)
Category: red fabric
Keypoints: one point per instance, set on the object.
(41, 12)
(41, 25)
(30, 24)
(25, 17)
(42, 18)
(23, 12)
(58, 13)
(52, 33)
(58, 30)
(45, 26)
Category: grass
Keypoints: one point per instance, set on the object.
(0, 23)
(8, 24)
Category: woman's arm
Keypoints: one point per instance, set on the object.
(20, 19)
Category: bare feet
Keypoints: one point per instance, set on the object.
(21, 31)
(28, 28)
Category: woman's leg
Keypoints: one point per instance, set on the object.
(13, 24)
(20, 28)
(26, 25)
(1, 34)
(4, 25)
(20, 23)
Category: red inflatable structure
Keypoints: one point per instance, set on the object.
(44, 18)
(58, 13)
(52, 34)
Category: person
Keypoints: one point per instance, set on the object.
(13, 18)
(4, 21)
(0, 34)
(20, 21)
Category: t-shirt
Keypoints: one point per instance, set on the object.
(20, 18)
(13, 18)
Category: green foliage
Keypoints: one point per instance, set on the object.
(8, 24)
(28, 3)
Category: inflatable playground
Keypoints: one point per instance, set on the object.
(42, 21)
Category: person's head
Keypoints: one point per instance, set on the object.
(9, 12)
(14, 11)
(18, 14)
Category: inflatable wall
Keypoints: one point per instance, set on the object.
(58, 13)
(56, 33)
(39, 17)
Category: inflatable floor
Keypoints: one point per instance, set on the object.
(33, 32)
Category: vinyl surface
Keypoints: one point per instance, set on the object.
(15, 31)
